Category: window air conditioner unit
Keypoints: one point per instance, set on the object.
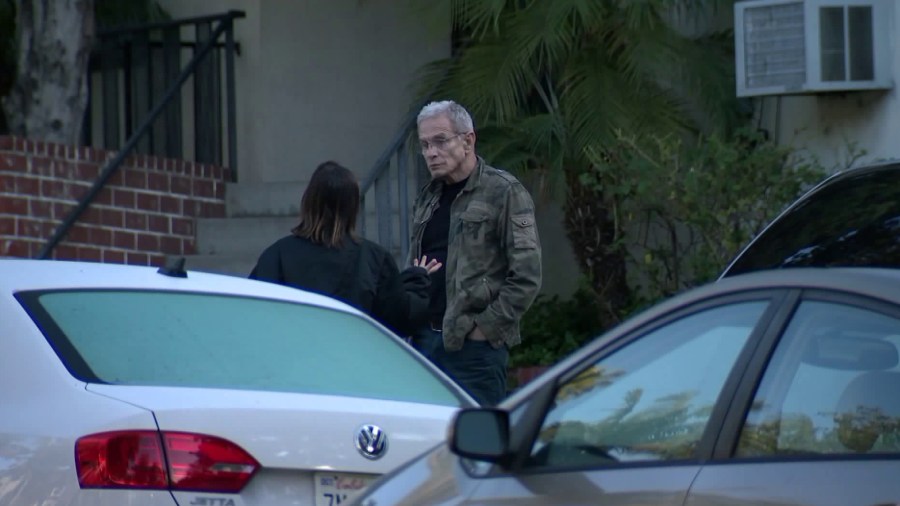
(785, 47)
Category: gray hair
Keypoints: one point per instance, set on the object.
(459, 117)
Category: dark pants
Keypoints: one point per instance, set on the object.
(478, 367)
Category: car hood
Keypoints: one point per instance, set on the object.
(294, 431)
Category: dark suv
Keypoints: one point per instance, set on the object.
(850, 219)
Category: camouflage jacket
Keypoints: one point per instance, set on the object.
(493, 266)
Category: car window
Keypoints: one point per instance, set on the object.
(140, 337)
(845, 399)
(854, 221)
(649, 400)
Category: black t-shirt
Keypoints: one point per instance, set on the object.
(435, 239)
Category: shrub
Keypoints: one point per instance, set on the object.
(554, 327)
(687, 208)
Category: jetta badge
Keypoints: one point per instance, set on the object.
(371, 442)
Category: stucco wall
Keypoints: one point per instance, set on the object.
(322, 79)
(827, 124)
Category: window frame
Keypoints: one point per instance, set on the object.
(526, 424)
(727, 442)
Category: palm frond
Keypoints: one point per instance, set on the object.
(563, 75)
(479, 17)
(492, 79)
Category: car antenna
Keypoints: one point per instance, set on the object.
(174, 267)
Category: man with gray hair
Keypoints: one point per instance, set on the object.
(479, 222)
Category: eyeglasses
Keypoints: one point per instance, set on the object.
(439, 143)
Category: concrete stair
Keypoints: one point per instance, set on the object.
(257, 214)
(264, 199)
(241, 235)
(234, 265)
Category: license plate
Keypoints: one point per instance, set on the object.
(334, 489)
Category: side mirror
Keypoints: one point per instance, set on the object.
(480, 434)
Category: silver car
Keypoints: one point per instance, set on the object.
(780, 388)
(776, 388)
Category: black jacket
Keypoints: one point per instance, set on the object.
(362, 274)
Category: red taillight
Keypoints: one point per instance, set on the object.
(207, 463)
(134, 459)
(121, 459)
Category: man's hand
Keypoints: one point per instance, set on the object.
(476, 335)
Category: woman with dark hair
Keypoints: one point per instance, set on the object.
(324, 254)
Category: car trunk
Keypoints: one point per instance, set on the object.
(304, 443)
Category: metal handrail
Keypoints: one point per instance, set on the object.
(120, 30)
(377, 178)
(113, 165)
(382, 163)
(376, 175)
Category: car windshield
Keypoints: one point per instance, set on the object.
(159, 338)
(854, 221)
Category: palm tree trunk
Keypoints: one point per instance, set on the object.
(592, 230)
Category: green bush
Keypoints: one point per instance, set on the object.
(687, 208)
(684, 209)
(554, 327)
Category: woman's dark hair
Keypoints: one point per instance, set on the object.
(329, 206)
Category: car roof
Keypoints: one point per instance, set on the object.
(750, 251)
(873, 282)
(880, 166)
(877, 283)
(17, 274)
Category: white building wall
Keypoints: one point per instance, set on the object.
(827, 124)
(321, 79)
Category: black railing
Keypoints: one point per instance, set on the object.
(391, 210)
(393, 167)
(167, 101)
(133, 67)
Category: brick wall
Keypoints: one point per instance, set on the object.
(145, 212)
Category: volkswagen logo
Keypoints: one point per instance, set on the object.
(371, 441)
